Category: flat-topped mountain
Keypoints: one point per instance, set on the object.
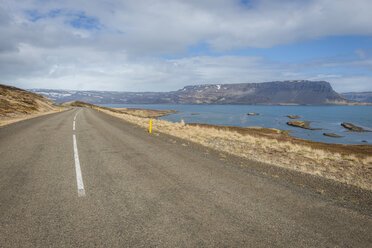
(287, 92)
(299, 92)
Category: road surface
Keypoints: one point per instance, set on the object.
(114, 185)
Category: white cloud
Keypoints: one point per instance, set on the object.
(118, 45)
(352, 83)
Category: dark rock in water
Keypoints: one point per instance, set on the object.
(333, 135)
(253, 114)
(364, 141)
(302, 124)
(353, 128)
(195, 113)
(293, 116)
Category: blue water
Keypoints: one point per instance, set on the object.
(327, 117)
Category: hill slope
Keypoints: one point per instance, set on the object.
(15, 102)
(269, 93)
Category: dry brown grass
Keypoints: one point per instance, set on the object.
(80, 104)
(14, 101)
(17, 104)
(144, 113)
(9, 120)
(351, 164)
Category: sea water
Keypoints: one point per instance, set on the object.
(328, 118)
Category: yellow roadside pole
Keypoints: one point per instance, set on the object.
(60, 109)
(150, 126)
(98, 109)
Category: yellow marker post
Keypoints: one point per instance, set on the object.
(98, 109)
(60, 109)
(150, 126)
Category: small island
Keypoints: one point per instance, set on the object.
(253, 114)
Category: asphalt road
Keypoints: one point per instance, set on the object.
(142, 190)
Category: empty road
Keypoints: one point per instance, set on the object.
(81, 178)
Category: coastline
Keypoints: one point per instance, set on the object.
(323, 119)
(350, 164)
(144, 113)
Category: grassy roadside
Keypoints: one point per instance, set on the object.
(351, 164)
(144, 113)
(9, 120)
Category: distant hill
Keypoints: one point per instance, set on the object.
(15, 102)
(270, 93)
(359, 96)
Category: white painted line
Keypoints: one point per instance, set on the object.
(79, 177)
(73, 125)
(76, 115)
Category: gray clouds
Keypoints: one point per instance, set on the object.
(143, 45)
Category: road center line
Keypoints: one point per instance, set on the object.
(76, 115)
(79, 177)
(73, 124)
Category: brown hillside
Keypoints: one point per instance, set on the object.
(15, 102)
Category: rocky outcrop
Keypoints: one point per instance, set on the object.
(253, 114)
(300, 92)
(353, 128)
(333, 135)
(293, 116)
(302, 124)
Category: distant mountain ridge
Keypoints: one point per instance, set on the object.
(299, 92)
(359, 96)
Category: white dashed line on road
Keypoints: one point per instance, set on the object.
(79, 177)
(74, 122)
(76, 115)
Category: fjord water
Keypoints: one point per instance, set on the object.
(329, 118)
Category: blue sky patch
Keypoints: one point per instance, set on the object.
(331, 46)
(75, 19)
(82, 21)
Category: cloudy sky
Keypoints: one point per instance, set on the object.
(149, 45)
